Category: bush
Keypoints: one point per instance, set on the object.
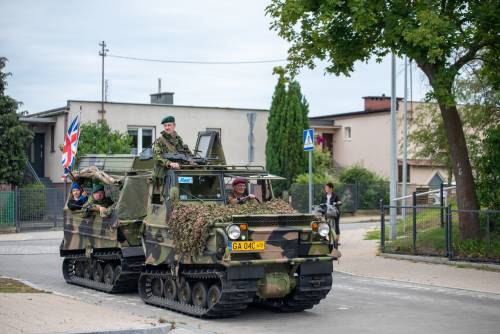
(32, 202)
(371, 187)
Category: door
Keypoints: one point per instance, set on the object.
(38, 154)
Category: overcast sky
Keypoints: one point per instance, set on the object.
(52, 47)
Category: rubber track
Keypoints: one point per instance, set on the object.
(126, 282)
(310, 290)
(235, 294)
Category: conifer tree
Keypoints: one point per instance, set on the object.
(287, 120)
(14, 136)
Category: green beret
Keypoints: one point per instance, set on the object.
(97, 187)
(168, 119)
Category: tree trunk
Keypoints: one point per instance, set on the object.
(466, 190)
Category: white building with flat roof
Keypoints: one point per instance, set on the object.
(243, 131)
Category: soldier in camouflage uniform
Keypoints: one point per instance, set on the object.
(98, 203)
(168, 142)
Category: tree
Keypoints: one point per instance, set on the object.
(98, 138)
(287, 120)
(441, 36)
(487, 169)
(14, 136)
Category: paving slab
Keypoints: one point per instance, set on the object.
(38, 313)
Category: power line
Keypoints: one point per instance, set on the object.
(199, 62)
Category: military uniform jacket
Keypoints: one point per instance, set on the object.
(167, 144)
(92, 205)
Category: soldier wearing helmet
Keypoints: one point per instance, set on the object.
(238, 196)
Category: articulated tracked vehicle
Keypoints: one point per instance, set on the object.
(173, 235)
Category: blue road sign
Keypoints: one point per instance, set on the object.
(309, 140)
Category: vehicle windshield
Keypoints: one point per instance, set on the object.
(199, 187)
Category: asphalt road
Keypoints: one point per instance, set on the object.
(355, 305)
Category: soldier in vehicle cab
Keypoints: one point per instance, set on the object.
(99, 202)
(238, 196)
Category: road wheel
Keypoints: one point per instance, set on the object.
(79, 268)
(87, 269)
(213, 295)
(185, 292)
(157, 287)
(200, 292)
(117, 272)
(109, 274)
(170, 288)
(98, 272)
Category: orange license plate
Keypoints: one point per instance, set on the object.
(247, 246)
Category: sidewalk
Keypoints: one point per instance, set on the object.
(36, 313)
(359, 258)
(39, 235)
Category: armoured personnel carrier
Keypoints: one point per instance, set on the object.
(209, 259)
(105, 252)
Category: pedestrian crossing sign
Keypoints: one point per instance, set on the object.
(309, 140)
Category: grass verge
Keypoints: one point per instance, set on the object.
(9, 285)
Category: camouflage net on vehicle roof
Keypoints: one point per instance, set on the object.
(189, 223)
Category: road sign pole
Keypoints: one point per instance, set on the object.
(310, 182)
(309, 146)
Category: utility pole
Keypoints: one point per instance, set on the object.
(405, 139)
(102, 53)
(393, 190)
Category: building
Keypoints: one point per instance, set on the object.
(363, 138)
(243, 131)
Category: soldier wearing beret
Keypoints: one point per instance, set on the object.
(168, 142)
(238, 194)
(99, 202)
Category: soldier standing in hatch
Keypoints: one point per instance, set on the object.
(168, 142)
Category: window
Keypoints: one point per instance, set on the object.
(400, 173)
(199, 187)
(347, 133)
(142, 138)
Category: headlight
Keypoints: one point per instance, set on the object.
(323, 229)
(233, 232)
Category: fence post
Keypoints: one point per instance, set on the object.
(16, 209)
(488, 233)
(356, 205)
(441, 203)
(446, 236)
(414, 223)
(450, 233)
(382, 227)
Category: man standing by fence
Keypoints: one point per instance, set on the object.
(332, 199)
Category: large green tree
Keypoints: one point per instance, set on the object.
(287, 120)
(441, 36)
(98, 138)
(14, 136)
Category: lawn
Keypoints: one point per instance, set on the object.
(8, 285)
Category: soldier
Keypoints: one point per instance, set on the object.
(168, 142)
(99, 202)
(238, 194)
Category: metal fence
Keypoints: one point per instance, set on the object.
(435, 231)
(354, 197)
(32, 208)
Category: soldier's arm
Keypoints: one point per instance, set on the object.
(157, 155)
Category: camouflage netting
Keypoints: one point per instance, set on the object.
(190, 222)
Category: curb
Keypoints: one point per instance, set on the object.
(368, 220)
(155, 330)
(441, 260)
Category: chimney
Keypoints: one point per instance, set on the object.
(162, 98)
(373, 103)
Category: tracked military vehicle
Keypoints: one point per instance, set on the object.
(105, 252)
(244, 254)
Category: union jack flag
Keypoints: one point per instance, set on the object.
(70, 145)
